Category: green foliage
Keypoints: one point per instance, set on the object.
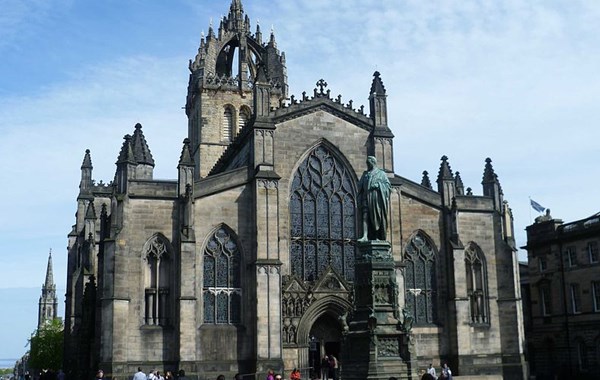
(46, 346)
(6, 371)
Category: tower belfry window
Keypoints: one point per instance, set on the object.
(227, 124)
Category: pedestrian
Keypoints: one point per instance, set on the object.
(270, 375)
(221, 377)
(295, 375)
(100, 374)
(431, 371)
(181, 375)
(139, 375)
(446, 372)
(325, 368)
(334, 365)
(169, 376)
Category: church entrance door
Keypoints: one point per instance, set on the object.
(326, 339)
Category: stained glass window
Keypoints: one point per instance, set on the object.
(222, 284)
(157, 282)
(420, 279)
(476, 284)
(322, 217)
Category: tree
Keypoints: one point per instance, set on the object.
(46, 345)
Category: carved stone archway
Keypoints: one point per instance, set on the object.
(330, 310)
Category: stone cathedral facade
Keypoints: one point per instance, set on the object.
(245, 261)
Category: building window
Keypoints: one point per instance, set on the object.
(222, 284)
(157, 278)
(582, 355)
(575, 298)
(243, 118)
(543, 264)
(322, 217)
(227, 124)
(592, 249)
(571, 254)
(420, 279)
(546, 300)
(476, 283)
(596, 295)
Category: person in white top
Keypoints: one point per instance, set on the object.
(431, 371)
(139, 375)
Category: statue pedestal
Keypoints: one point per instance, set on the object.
(375, 345)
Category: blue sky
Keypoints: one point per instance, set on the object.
(511, 80)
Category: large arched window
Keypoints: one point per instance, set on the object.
(420, 279)
(157, 281)
(228, 123)
(476, 277)
(222, 284)
(323, 220)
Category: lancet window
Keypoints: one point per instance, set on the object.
(322, 217)
(476, 277)
(420, 279)
(227, 124)
(222, 285)
(157, 288)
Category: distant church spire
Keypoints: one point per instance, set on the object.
(48, 305)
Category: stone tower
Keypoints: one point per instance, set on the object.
(219, 97)
(48, 305)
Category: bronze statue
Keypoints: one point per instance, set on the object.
(374, 195)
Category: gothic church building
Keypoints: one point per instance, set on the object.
(245, 261)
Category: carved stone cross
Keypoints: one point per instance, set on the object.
(321, 84)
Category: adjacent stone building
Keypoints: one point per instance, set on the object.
(245, 261)
(564, 279)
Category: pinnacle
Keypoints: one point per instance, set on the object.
(49, 283)
(445, 170)
(186, 157)
(377, 87)
(140, 147)
(488, 173)
(87, 160)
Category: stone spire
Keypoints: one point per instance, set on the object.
(460, 187)
(445, 181)
(86, 182)
(381, 139)
(140, 147)
(425, 182)
(126, 154)
(48, 304)
(491, 185)
(49, 283)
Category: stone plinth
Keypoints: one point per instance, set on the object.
(375, 345)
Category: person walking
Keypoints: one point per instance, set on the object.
(334, 364)
(325, 368)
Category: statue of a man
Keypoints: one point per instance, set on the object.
(374, 196)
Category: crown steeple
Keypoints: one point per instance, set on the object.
(223, 73)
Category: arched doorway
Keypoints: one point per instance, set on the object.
(325, 339)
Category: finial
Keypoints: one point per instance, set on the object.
(321, 84)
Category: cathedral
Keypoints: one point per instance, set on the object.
(246, 261)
